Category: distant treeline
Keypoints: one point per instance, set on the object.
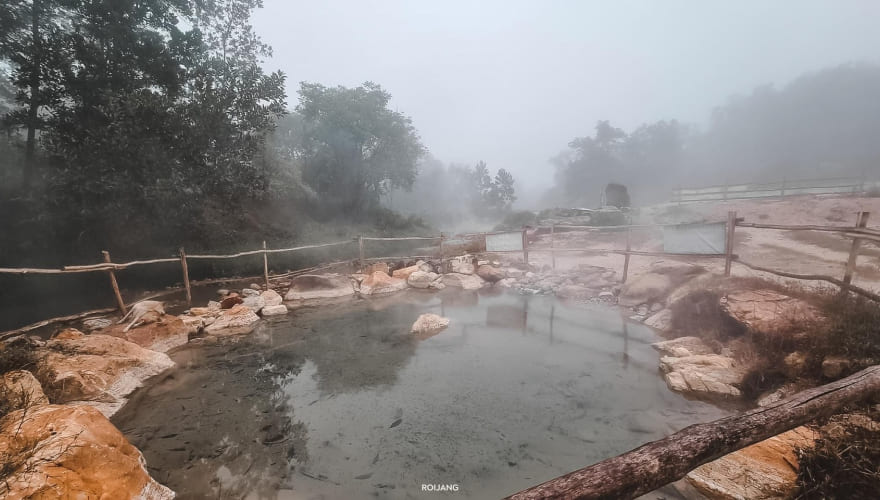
(823, 124)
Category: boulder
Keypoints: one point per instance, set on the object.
(272, 298)
(490, 273)
(20, 389)
(230, 301)
(255, 286)
(462, 265)
(422, 279)
(254, 302)
(237, 317)
(95, 368)
(379, 283)
(706, 375)
(377, 266)
(249, 292)
(425, 267)
(762, 471)
(429, 323)
(404, 272)
(657, 284)
(71, 451)
(660, 321)
(275, 310)
(92, 324)
(682, 347)
(165, 334)
(834, 367)
(768, 311)
(319, 286)
(465, 281)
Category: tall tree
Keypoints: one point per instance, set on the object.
(355, 148)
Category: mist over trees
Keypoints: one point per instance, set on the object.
(823, 124)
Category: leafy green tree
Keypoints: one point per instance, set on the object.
(355, 148)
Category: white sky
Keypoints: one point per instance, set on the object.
(512, 82)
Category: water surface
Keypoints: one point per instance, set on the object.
(341, 401)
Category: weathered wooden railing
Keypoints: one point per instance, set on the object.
(658, 463)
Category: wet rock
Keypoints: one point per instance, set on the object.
(706, 375)
(768, 311)
(166, 333)
(762, 471)
(72, 451)
(464, 281)
(660, 321)
(193, 323)
(405, 272)
(275, 310)
(379, 283)
(231, 301)
(490, 273)
(254, 302)
(437, 284)
(255, 286)
(683, 347)
(239, 316)
(95, 368)
(422, 279)
(429, 323)
(320, 286)
(271, 297)
(20, 389)
(657, 284)
(835, 366)
(92, 324)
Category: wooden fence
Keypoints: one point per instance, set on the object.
(778, 189)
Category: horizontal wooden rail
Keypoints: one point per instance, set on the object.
(110, 265)
(365, 238)
(410, 257)
(814, 277)
(308, 247)
(620, 252)
(655, 464)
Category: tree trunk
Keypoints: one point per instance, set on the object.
(34, 104)
(655, 464)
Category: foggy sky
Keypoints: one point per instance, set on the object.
(511, 82)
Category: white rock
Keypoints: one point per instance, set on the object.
(465, 281)
(249, 292)
(271, 297)
(92, 324)
(661, 321)
(421, 279)
(255, 302)
(274, 310)
(429, 323)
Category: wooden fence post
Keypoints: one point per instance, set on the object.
(553, 245)
(626, 257)
(441, 253)
(728, 251)
(185, 276)
(113, 282)
(265, 265)
(525, 245)
(861, 222)
(361, 252)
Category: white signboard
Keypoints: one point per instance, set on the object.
(695, 238)
(504, 242)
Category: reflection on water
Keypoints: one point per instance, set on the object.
(342, 402)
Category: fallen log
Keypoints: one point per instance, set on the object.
(655, 464)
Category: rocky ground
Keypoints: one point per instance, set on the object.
(75, 380)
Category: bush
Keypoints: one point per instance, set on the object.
(515, 221)
(852, 328)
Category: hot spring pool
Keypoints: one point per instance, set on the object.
(341, 401)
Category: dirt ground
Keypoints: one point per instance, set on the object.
(803, 252)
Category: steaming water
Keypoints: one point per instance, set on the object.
(342, 402)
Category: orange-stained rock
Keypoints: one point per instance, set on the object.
(379, 282)
(74, 452)
(404, 272)
(166, 333)
(96, 368)
(377, 266)
(763, 470)
(20, 389)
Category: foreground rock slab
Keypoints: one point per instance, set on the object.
(762, 471)
(98, 369)
(72, 452)
(706, 375)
